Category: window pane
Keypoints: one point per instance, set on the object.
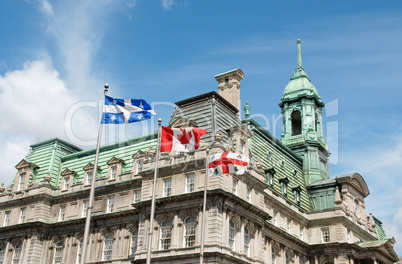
(58, 252)
(190, 183)
(190, 228)
(107, 247)
(166, 234)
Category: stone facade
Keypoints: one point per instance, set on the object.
(279, 211)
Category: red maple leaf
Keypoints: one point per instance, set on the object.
(184, 136)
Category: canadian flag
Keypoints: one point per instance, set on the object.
(181, 139)
(227, 163)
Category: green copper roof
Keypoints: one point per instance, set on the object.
(300, 85)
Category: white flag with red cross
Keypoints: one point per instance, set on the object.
(227, 162)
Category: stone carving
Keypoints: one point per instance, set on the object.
(47, 178)
(2, 189)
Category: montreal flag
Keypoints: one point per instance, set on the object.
(181, 139)
(227, 162)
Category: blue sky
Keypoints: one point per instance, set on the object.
(55, 57)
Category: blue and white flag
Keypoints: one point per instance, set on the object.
(124, 111)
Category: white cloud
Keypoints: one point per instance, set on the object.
(12, 151)
(46, 7)
(131, 3)
(167, 4)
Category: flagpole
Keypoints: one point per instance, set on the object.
(204, 209)
(92, 192)
(151, 220)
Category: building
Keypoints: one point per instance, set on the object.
(285, 209)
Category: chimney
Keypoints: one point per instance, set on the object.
(229, 86)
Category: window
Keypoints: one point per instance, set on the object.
(79, 251)
(190, 178)
(295, 173)
(17, 253)
(90, 174)
(269, 155)
(22, 215)
(271, 179)
(84, 208)
(325, 234)
(134, 241)
(242, 147)
(283, 165)
(301, 233)
(356, 206)
(21, 182)
(232, 234)
(285, 188)
(140, 165)
(247, 237)
(7, 215)
(2, 253)
(273, 256)
(296, 123)
(66, 182)
(275, 218)
(297, 197)
(289, 226)
(288, 259)
(349, 236)
(110, 204)
(167, 187)
(166, 234)
(189, 231)
(62, 212)
(248, 194)
(137, 196)
(58, 252)
(107, 247)
(234, 186)
(113, 172)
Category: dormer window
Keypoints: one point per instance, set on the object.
(140, 166)
(296, 192)
(21, 182)
(66, 182)
(90, 174)
(115, 168)
(284, 185)
(113, 172)
(269, 174)
(283, 165)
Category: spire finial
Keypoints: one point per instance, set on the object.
(299, 58)
(247, 108)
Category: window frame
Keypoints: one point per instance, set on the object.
(165, 235)
(62, 212)
(111, 199)
(89, 179)
(248, 194)
(113, 172)
(58, 254)
(133, 242)
(21, 182)
(108, 242)
(325, 235)
(85, 204)
(190, 230)
(232, 235)
(7, 217)
(17, 250)
(137, 198)
(190, 183)
(167, 187)
(23, 212)
(66, 182)
(235, 186)
(247, 240)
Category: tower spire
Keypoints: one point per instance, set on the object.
(299, 57)
(299, 72)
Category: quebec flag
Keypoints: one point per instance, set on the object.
(124, 111)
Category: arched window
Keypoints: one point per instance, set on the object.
(273, 255)
(58, 252)
(232, 234)
(296, 123)
(134, 241)
(108, 247)
(247, 238)
(79, 251)
(17, 253)
(189, 231)
(2, 253)
(166, 234)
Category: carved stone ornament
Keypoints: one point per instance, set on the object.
(2, 189)
(47, 178)
(218, 137)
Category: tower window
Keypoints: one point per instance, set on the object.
(296, 123)
(226, 81)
